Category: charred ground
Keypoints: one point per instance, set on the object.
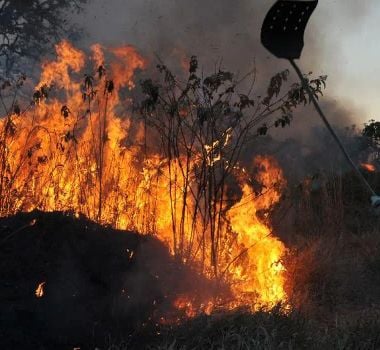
(100, 283)
(100, 294)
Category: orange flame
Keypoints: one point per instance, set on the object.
(82, 154)
(369, 167)
(261, 275)
(40, 290)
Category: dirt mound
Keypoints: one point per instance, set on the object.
(98, 282)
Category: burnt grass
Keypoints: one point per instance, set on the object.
(95, 288)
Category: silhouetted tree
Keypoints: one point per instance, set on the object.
(28, 27)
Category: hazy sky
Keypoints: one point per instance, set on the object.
(342, 39)
(350, 36)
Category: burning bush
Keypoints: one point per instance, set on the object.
(171, 167)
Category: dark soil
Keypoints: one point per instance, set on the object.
(95, 288)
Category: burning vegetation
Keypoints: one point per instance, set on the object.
(173, 166)
(168, 167)
(137, 202)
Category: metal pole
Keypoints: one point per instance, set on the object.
(326, 122)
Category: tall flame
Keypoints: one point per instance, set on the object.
(261, 272)
(73, 152)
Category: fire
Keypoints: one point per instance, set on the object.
(183, 303)
(261, 273)
(40, 290)
(81, 150)
(369, 167)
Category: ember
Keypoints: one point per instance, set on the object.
(40, 290)
(369, 167)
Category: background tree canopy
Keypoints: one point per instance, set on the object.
(29, 27)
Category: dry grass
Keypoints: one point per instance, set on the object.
(334, 283)
(262, 330)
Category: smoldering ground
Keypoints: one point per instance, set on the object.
(97, 281)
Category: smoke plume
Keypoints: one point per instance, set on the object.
(227, 33)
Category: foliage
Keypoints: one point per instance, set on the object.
(372, 130)
(191, 139)
(263, 331)
(371, 138)
(29, 27)
(204, 125)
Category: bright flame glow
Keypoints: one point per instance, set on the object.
(40, 290)
(70, 153)
(369, 167)
(261, 274)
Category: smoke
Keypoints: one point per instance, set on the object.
(227, 33)
(226, 29)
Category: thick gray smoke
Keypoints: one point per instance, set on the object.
(214, 29)
(227, 32)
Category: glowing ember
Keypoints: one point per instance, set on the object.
(190, 308)
(40, 290)
(369, 167)
(83, 152)
(182, 303)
